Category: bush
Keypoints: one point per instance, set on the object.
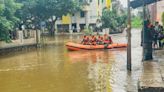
(136, 22)
(88, 31)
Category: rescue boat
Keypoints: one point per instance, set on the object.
(76, 46)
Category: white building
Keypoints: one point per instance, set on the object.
(89, 16)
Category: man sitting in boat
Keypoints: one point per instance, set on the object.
(93, 40)
(85, 40)
(107, 39)
(100, 40)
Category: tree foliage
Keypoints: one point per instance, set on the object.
(7, 17)
(49, 8)
(115, 18)
(136, 22)
(43, 10)
(110, 19)
(14, 11)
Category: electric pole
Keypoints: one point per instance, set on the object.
(129, 64)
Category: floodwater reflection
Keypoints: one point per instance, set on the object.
(54, 69)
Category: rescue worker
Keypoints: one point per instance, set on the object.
(100, 40)
(107, 40)
(93, 40)
(85, 40)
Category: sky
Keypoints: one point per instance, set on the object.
(124, 2)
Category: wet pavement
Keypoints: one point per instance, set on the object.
(152, 79)
(160, 55)
(54, 69)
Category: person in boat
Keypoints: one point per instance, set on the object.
(110, 40)
(107, 40)
(85, 40)
(100, 40)
(93, 40)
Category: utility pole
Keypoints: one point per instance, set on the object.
(143, 39)
(129, 64)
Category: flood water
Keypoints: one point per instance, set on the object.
(54, 69)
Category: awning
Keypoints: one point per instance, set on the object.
(138, 3)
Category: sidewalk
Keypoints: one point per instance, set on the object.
(152, 76)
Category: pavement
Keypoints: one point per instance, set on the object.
(152, 76)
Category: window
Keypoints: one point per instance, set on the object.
(82, 14)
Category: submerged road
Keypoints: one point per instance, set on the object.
(54, 69)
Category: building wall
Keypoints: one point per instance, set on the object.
(156, 11)
(92, 13)
(153, 12)
(160, 10)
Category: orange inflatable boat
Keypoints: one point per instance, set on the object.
(76, 46)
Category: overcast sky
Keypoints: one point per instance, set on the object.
(124, 3)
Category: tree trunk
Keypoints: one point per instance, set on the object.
(52, 30)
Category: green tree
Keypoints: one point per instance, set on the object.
(56, 8)
(110, 19)
(7, 17)
(43, 10)
(136, 22)
(114, 18)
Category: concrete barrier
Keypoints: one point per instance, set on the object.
(20, 42)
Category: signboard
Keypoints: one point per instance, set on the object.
(108, 3)
(66, 19)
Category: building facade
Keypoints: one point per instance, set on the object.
(156, 11)
(88, 17)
